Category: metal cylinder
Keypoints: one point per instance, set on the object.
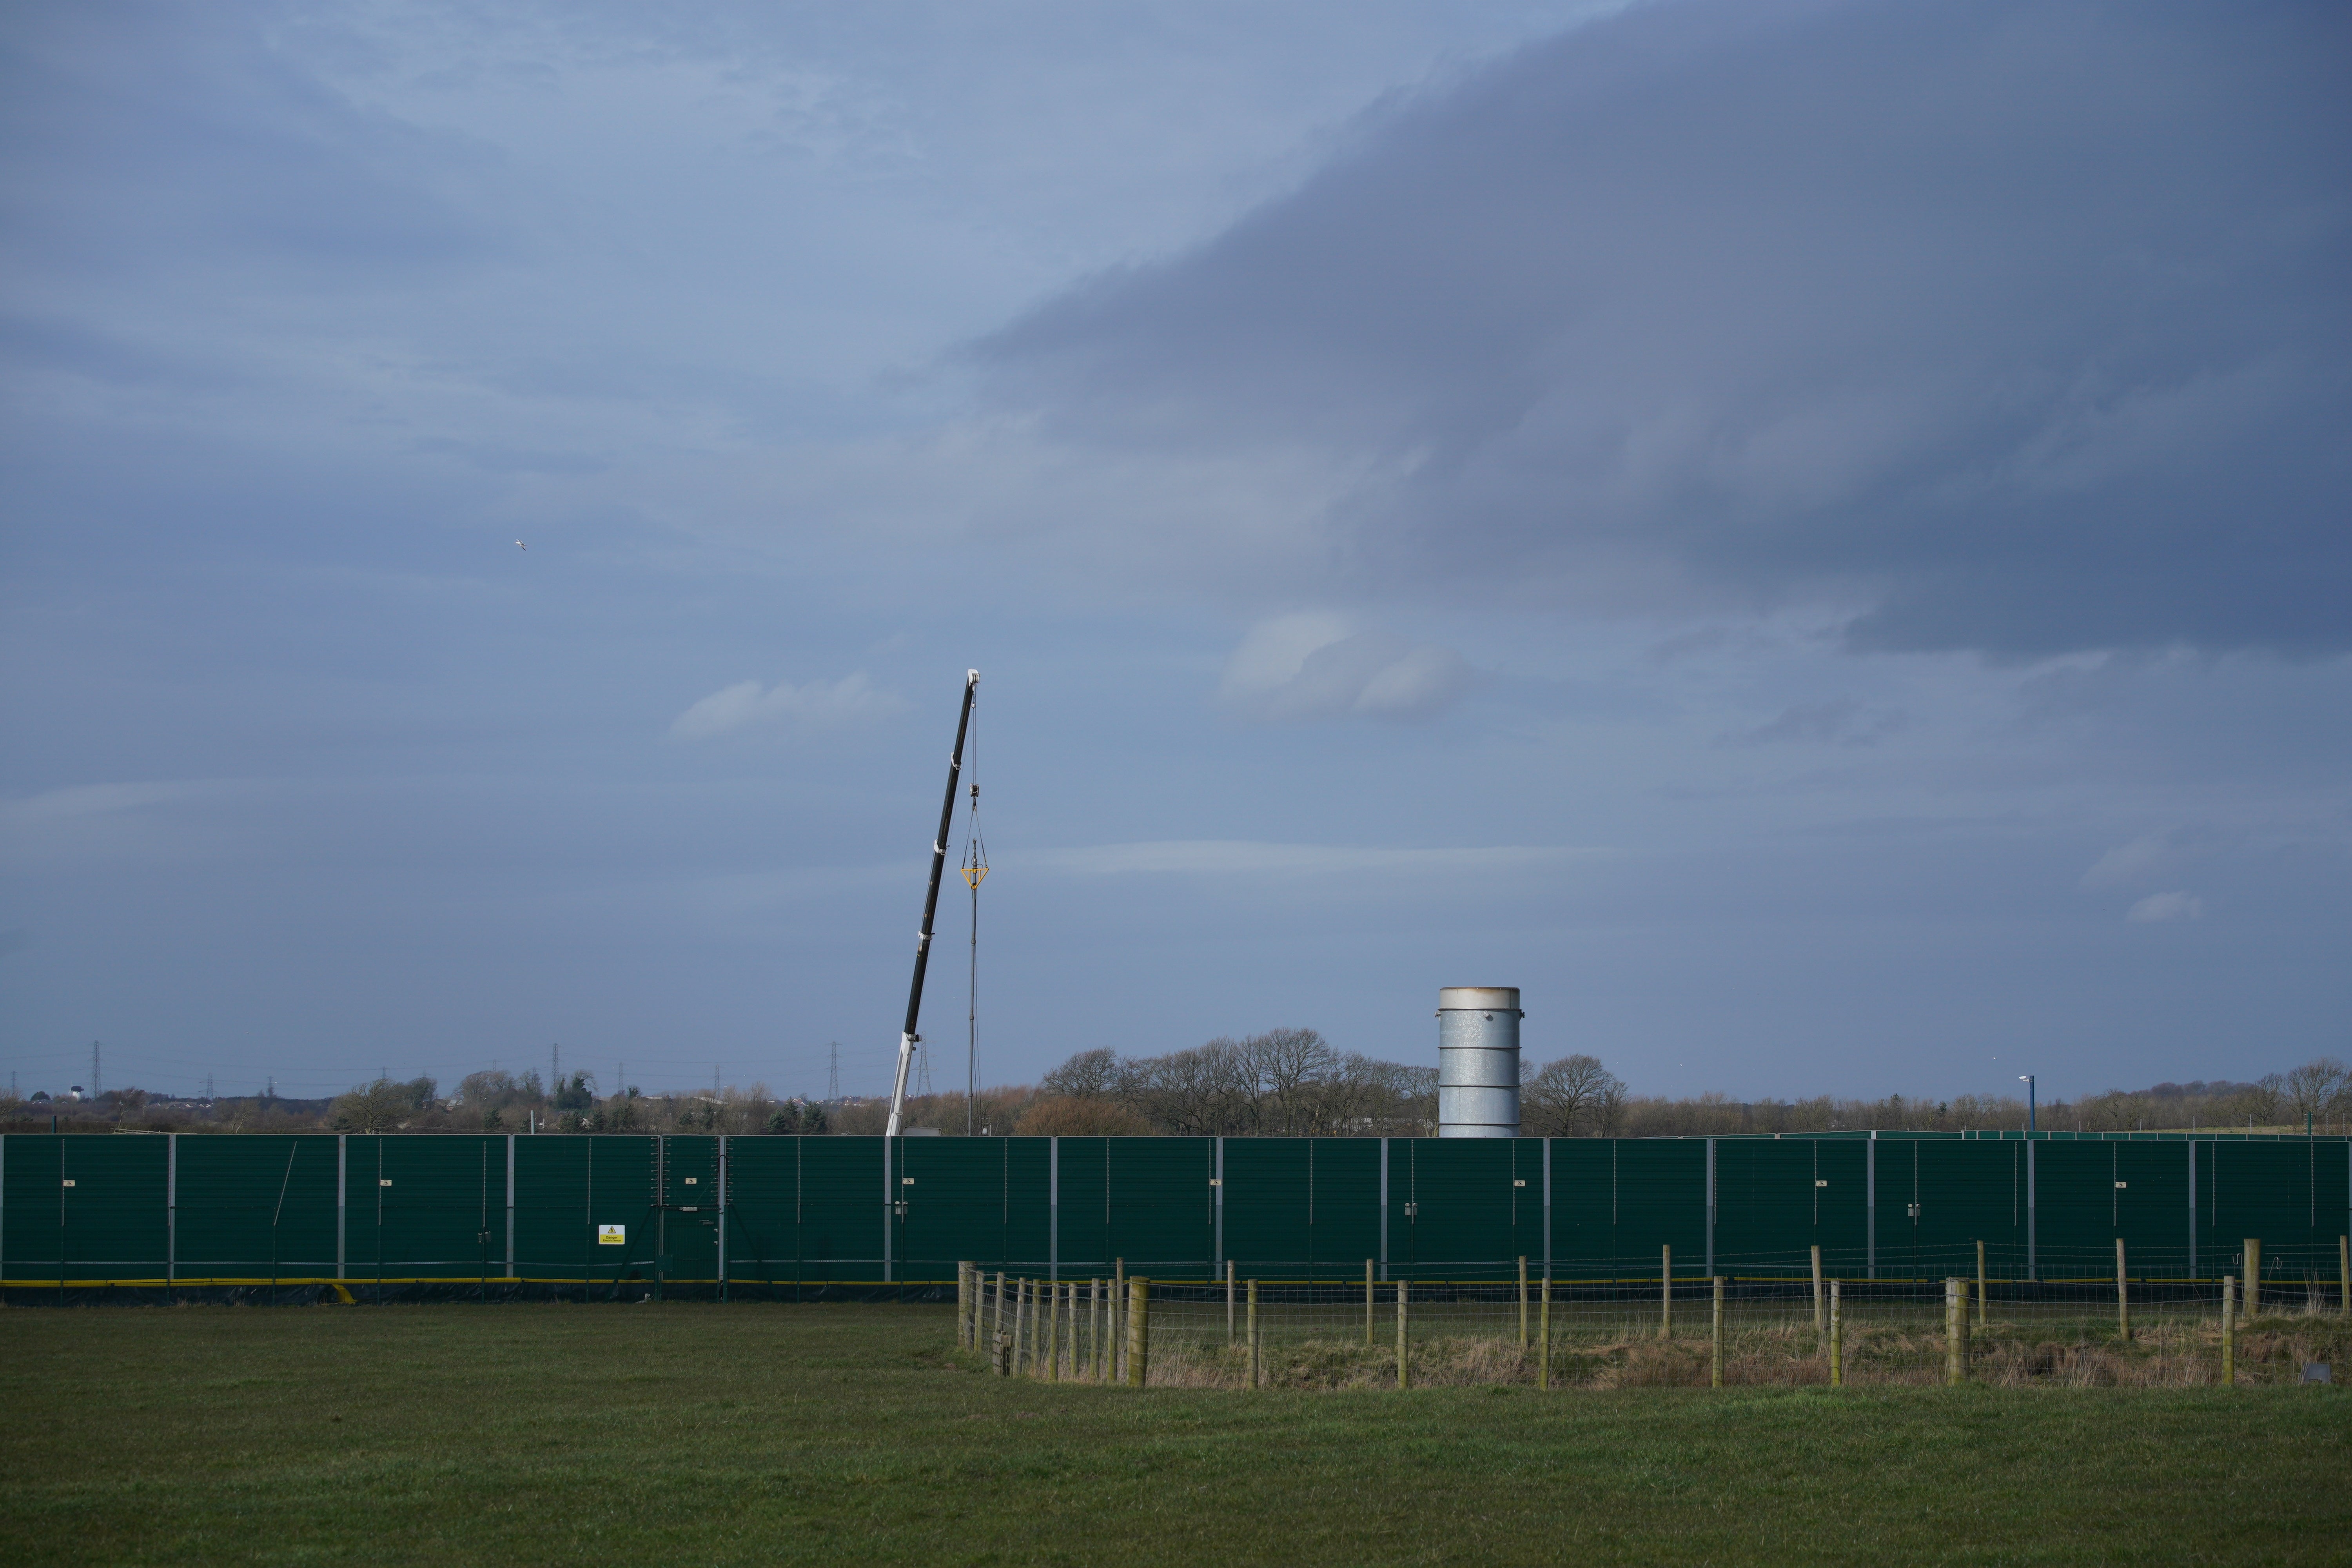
(1478, 1061)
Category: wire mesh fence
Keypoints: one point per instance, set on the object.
(1683, 1332)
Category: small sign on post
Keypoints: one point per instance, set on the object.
(612, 1235)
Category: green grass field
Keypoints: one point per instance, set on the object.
(857, 1434)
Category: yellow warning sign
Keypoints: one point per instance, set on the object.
(612, 1235)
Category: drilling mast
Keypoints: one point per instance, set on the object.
(907, 1038)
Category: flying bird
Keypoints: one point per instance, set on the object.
(520, 545)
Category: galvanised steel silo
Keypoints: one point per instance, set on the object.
(1478, 1061)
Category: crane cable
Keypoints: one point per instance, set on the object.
(975, 871)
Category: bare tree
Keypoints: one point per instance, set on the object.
(1089, 1075)
(1563, 1099)
(1286, 1068)
(2316, 1089)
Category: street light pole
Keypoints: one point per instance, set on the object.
(2027, 1079)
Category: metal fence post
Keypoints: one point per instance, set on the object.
(2254, 1286)
(1229, 1303)
(1368, 1303)
(1139, 1333)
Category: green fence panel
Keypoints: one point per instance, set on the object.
(2289, 1193)
(1584, 1208)
(555, 1241)
(115, 1220)
(763, 1201)
(81, 1208)
(1961, 1190)
(686, 1234)
(1268, 1197)
(956, 1194)
(33, 1236)
(1163, 1208)
(1079, 1186)
(2076, 1209)
(1344, 1222)
(1458, 1218)
(844, 1209)
(1662, 1202)
(1768, 1205)
(2148, 1206)
(610, 1213)
(256, 1206)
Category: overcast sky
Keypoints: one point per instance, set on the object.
(1809, 536)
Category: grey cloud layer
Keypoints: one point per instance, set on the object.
(2024, 327)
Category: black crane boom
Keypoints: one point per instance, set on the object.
(908, 1038)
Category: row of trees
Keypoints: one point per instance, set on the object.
(1285, 1082)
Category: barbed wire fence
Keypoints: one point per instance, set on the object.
(1670, 1331)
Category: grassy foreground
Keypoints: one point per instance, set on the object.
(756, 1432)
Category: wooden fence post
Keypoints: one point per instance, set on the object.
(1837, 1340)
(1053, 1331)
(1820, 1300)
(2252, 1287)
(1118, 1320)
(1980, 1285)
(1368, 1303)
(963, 1305)
(1543, 1334)
(1523, 1302)
(2122, 1295)
(1020, 1326)
(2344, 1275)
(1714, 1358)
(1000, 1303)
(1229, 1303)
(1404, 1369)
(2229, 1331)
(1955, 1314)
(1666, 1293)
(1254, 1341)
(1139, 1333)
(1963, 1327)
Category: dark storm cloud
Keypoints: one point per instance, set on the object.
(2023, 325)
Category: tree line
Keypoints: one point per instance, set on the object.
(1286, 1082)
